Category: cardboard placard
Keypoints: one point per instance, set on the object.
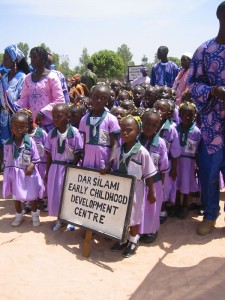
(134, 72)
(100, 203)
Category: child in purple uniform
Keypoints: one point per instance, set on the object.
(189, 137)
(133, 159)
(63, 145)
(39, 136)
(169, 134)
(100, 129)
(21, 177)
(157, 148)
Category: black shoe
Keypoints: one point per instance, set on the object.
(128, 252)
(148, 238)
(182, 212)
(162, 219)
(172, 211)
(118, 246)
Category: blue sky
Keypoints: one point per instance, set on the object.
(68, 26)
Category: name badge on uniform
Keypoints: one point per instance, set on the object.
(25, 159)
(155, 159)
(191, 146)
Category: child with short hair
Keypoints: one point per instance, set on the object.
(100, 129)
(63, 145)
(133, 159)
(76, 113)
(150, 97)
(189, 138)
(21, 177)
(156, 147)
(138, 93)
(168, 132)
(118, 112)
(39, 136)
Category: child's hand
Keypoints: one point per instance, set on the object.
(151, 198)
(104, 171)
(29, 169)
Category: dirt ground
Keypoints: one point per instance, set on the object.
(37, 263)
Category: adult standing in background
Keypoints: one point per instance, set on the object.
(207, 87)
(10, 88)
(163, 72)
(41, 90)
(144, 78)
(181, 81)
(89, 78)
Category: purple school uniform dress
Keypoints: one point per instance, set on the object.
(62, 154)
(97, 138)
(40, 136)
(189, 142)
(150, 216)
(169, 133)
(16, 160)
(140, 165)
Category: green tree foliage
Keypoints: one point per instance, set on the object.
(124, 52)
(64, 66)
(146, 63)
(176, 60)
(108, 64)
(1, 58)
(85, 58)
(24, 48)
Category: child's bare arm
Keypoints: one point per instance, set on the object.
(151, 192)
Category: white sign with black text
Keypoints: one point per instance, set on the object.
(101, 203)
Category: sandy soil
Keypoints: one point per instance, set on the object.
(36, 263)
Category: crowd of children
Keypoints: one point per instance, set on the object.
(137, 130)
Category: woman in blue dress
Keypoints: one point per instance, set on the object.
(10, 89)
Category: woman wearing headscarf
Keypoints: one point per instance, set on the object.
(10, 88)
(180, 83)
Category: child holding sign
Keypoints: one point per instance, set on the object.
(100, 129)
(133, 159)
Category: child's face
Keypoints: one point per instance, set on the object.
(127, 105)
(112, 96)
(36, 59)
(115, 86)
(30, 124)
(122, 97)
(187, 115)
(19, 127)
(75, 116)
(163, 108)
(60, 117)
(138, 94)
(119, 113)
(99, 98)
(150, 124)
(129, 130)
(149, 99)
